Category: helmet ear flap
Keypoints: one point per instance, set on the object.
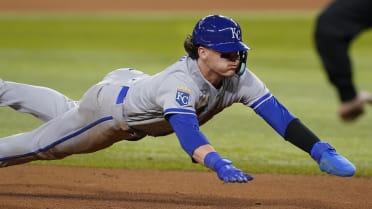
(242, 63)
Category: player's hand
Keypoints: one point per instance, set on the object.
(224, 169)
(228, 173)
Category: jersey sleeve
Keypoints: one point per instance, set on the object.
(255, 95)
(274, 113)
(251, 88)
(187, 130)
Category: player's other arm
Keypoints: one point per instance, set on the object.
(193, 141)
(291, 129)
(285, 123)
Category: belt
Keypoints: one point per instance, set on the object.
(122, 94)
(134, 135)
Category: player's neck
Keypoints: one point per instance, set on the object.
(211, 76)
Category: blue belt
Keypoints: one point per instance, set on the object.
(122, 94)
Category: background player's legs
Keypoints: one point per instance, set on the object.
(337, 26)
(42, 102)
(333, 35)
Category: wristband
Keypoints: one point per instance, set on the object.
(211, 159)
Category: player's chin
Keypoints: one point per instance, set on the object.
(229, 73)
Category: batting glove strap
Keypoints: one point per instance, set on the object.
(211, 159)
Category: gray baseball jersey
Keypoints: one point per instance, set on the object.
(126, 105)
(181, 89)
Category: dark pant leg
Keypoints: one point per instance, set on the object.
(336, 27)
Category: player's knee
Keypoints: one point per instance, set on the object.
(322, 27)
(51, 154)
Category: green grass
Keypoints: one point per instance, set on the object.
(70, 52)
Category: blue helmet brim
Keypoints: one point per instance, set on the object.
(230, 47)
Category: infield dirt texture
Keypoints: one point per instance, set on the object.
(47, 187)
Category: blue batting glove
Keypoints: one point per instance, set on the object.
(225, 170)
(330, 161)
(228, 173)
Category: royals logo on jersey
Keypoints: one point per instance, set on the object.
(183, 96)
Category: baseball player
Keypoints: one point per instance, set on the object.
(129, 105)
(336, 27)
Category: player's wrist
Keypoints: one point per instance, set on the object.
(214, 161)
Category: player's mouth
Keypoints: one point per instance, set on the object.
(232, 67)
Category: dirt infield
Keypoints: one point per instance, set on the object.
(47, 187)
(44, 187)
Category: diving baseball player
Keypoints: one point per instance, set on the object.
(129, 105)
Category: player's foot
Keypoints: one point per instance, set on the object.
(349, 111)
(330, 161)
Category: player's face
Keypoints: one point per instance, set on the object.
(217, 64)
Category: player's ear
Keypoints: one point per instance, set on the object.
(202, 51)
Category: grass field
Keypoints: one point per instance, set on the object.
(71, 52)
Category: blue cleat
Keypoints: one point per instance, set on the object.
(330, 161)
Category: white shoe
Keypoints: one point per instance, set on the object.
(349, 111)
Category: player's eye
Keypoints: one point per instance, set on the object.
(232, 56)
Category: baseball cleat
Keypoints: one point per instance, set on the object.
(330, 161)
(351, 110)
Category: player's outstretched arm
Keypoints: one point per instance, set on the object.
(197, 146)
(291, 129)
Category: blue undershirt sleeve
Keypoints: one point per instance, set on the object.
(275, 114)
(186, 127)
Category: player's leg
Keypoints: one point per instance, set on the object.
(336, 28)
(42, 102)
(123, 75)
(97, 123)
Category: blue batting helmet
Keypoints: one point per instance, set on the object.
(220, 33)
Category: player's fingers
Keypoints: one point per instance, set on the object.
(248, 176)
